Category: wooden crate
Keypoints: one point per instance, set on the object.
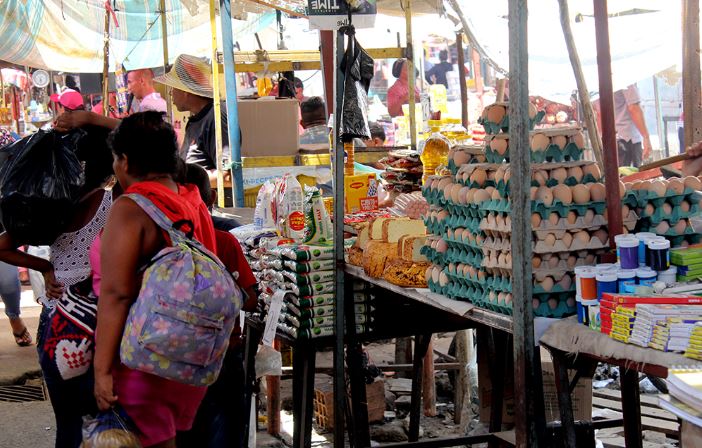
(324, 403)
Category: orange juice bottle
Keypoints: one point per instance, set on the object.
(435, 152)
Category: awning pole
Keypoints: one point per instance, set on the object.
(217, 107)
(225, 15)
(462, 79)
(609, 133)
(410, 74)
(106, 66)
(692, 98)
(164, 37)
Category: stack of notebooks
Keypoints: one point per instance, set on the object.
(694, 347)
(689, 263)
(685, 389)
(664, 327)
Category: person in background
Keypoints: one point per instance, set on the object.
(313, 119)
(693, 165)
(10, 288)
(71, 83)
(220, 418)
(633, 141)
(437, 73)
(68, 100)
(140, 83)
(145, 162)
(398, 93)
(299, 90)
(113, 112)
(377, 135)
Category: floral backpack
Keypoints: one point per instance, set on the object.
(179, 326)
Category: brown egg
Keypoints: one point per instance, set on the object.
(508, 299)
(576, 172)
(496, 195)
(447, 191)
(667, 208)
(427, 274)
(582, 237)
(535, 303)
(535, 220)
(567, 239)
(649, 209)
(544, 195)
(462, 194)
(539, 142)
(572, 261)
(559, 175)
(455, 192)
(563, 193)
(502, 259)
(622, 190)
(572, 217)
(658, 188)
(680, 227)
(552, 303)
(553, 262)
(540, 177)
(570, 301)
(495, 113)
(532, 111)
(553, 219)
(579, 140)
(460, 158)
(443, 279)
(479, 176)
(601, 235)
(533, 192)
(441, 246)
(535, 261)
(547, 284)
(684, 206)
(499, 145)
(589, 216)
(499, 174)
(550, 240)
(693, 182)
(508, 175)
(593, 170)
(675, 186)
(481, 196)
(597, 192)
(590, 259)
(628, 186)
(490, 189)
(581, 194)
(559, 140)
(566, 282)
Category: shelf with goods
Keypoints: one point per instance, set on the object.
(470, 222)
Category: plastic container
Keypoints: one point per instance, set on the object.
(605, 267)
(626, 280)
(646, 277)
(647, 250)
(588, 284)
(435, 152)
(593, 313)
(642, 236)
(606, 282)
(579, 270)
(582, 314)
(628, 252)
(659, 252)
(669, 276)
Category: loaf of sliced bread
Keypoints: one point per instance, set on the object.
(411, 247)
(363, 236)
(406, 273)
(375, 255)
(376, 228)
(394, 229)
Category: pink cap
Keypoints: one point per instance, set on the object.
(69, 98)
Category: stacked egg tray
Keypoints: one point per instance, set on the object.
(495, 118)
(463, 154)
(558, 144)
(666, 206)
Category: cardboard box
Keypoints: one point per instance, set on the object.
(360, 193)
(269, 127)
(581, 396)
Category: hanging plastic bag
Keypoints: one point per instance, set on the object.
(268, 362)
(357, 66)
(39, 184)
(111, 428)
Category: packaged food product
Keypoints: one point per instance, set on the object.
(307, 253)
(309, 278)
(318, 225)
(288, 212)
(263, 214)
(308, 266)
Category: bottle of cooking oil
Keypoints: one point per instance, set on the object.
(435, 153)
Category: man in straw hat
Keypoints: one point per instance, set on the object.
(191, 81)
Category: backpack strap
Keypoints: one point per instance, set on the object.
(161, 220)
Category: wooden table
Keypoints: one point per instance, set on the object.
(584, 357)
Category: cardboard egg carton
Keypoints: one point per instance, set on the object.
(552, 153)
(492, 128)
(540, 247)
(581, 259)
(598, 221)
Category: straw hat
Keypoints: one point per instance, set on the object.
(190, 74)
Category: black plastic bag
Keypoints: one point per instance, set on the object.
(39, 184)
(357, 66)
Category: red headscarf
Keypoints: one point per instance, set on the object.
(184, 205)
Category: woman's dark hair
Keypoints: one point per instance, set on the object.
(93, 150)
(149, 143)
(196, 175)
(397, 68)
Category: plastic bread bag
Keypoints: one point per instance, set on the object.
(263, 214)
(108, 429)
(318, 225)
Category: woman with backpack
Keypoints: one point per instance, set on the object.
(161, 392)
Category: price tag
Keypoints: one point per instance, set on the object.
(272, 318)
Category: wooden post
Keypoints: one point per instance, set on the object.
(660, 128)
(410, 74)
(217, 106)
(583, 92)
(106, 65)
(527, 433)
(478, 76)
(462, 79)
(273, 400)
(326, 39)
(462, 395)
(500, 90)
(428, 382)
(692, 95)
(609, 132)
(164, 38)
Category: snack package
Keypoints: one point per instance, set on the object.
(318, 225)
(307, 253)
(263, 215)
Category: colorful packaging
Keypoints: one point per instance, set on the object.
(318, 225)
(309, 266)
(307, 253)
(360, 193)
(288, 211)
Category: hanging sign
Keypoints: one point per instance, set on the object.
(333, 14)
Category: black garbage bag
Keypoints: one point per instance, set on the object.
(39, 184)
(357, 66)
